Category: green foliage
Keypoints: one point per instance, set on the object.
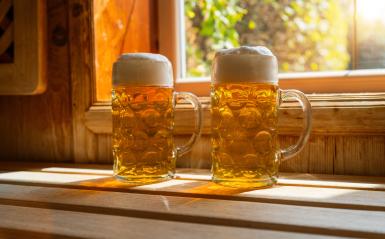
(210, 27)
(307, 35)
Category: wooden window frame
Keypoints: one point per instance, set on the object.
(357, 81)
(333, 114)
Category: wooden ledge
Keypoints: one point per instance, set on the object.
(333, 114)
(91, 203)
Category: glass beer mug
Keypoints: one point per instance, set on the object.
(143, 102)
(245, 99)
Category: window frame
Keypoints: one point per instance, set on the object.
(357, 114)
(170, 37)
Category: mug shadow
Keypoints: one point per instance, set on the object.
(217, 189)
(177, 186)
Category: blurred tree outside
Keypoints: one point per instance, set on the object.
(371, 42)
(311, 35)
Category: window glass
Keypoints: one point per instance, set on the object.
(370, 34)
(311, 35)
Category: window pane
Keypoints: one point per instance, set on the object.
(370, 34)
(312, 35)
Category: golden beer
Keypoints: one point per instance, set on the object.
(245, 98)
(143, 101)
(143, 145)
(244, 136)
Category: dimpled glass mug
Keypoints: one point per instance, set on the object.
(143, 102)
(245, 99)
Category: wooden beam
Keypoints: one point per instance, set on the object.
(333, 114)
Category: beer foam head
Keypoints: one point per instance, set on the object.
(142, 69)
(245, 64)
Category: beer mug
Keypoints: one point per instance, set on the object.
(245, 99)
(143, 102)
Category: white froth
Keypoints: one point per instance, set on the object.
(142, 69)
(245, 64)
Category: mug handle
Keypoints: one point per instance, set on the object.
(293, 150)
(192, 99)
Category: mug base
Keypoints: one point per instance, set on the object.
(140, 180)
(246, 183)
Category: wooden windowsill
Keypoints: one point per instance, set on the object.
(333, 114)
(352, 81)
(85, 201)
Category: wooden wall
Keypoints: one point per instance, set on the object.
(40, 127)
(353, 155)
(45, 127)
(50, 126)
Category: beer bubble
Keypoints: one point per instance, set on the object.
(140, 139)
(167, 121)
(126, 157)
(160, 140)
(151, 117)
(151, 157)
(252, 161)
(270, 118)
(142, 132)
(215, 98)
(263, 142)
(225, 158)
(249, 118)
(125, 141)
(240, 145)
(236, 99)
(115, 98)
(160, 101)
(226, 135)
(226, 116)
(139, 101)
(123, 99)
(235, 104)
(127, 118)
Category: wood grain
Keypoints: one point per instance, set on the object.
(360, 155)
(333, 114)
(38, 128)
(20, 222)
(82, 176)
(120, 26)
(236, 214)
(300, 206)
(82, 78)
(337, 118)
(84, 17)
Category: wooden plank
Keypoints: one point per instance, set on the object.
(311, 82)
(258, 215)
(321, 154)
(83, 170)
(104, 149)
(360, 155)
(298, 163)
(327, 197)
(38, 128)
(20, 222)
(330, 189)
(82, 78)
(200, 154)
